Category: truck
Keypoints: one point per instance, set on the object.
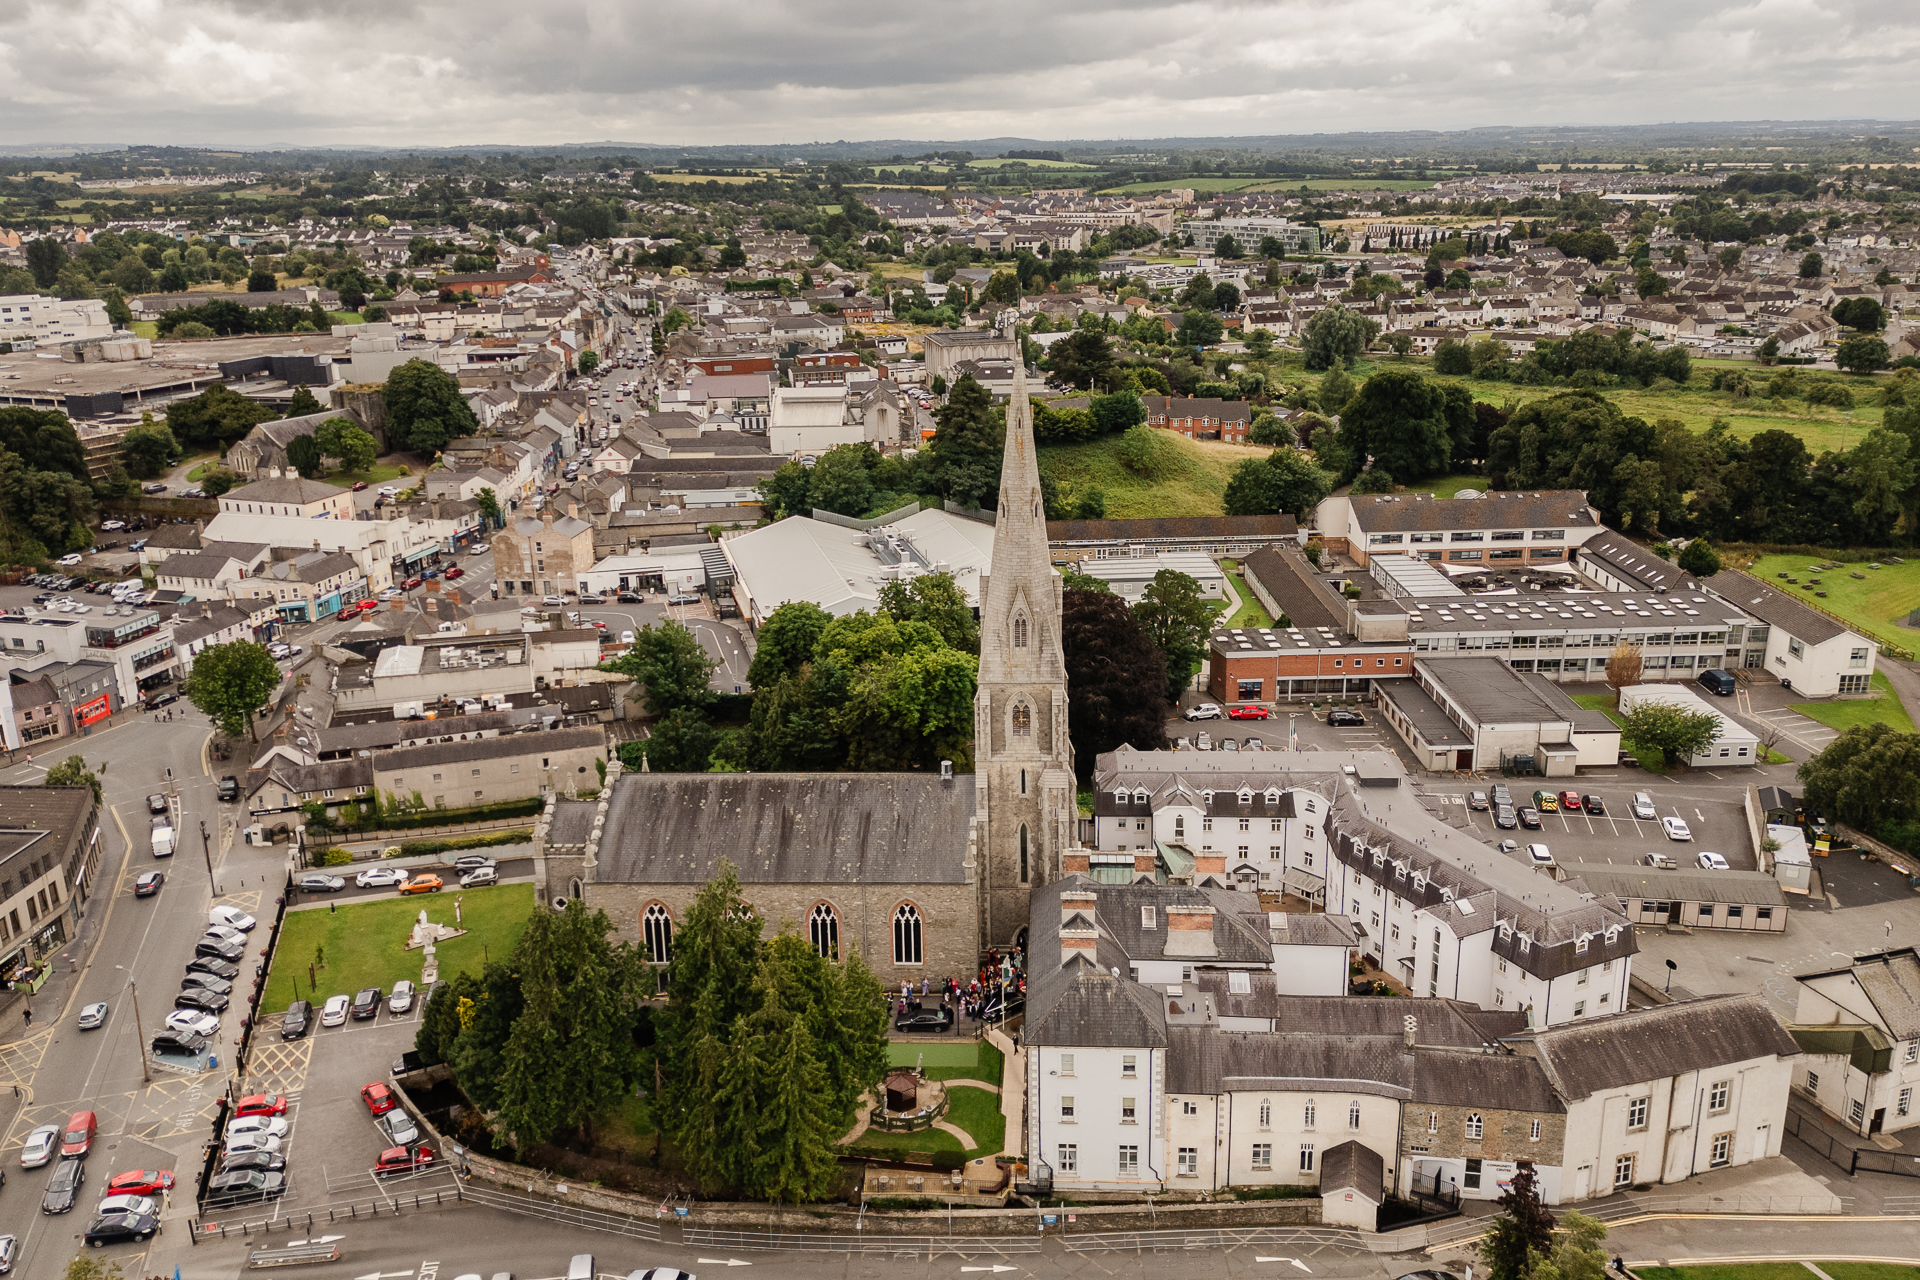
(163, 841)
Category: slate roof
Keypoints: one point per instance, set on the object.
(1087, 1007)
(572, 823)
(1775, 607)
(1207, 1060)
(1352, 1165)
(788, 828)
(1755, 888)
(1629, 560)
(1535, 509)
(1287, 577)
(292, 490)
(1891, 979)
(1240, 935)
(1642, 1045)
(1195, 527)
(547, 742)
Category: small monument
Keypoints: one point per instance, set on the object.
(425, 932)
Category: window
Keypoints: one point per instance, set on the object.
(1023, 844)
(1128, 1066)
(1306, 1157)
(1905, 1103)
(1189, 1108)
(1722, 1150)
(1022, 720)
(1717, 1095)
(1266, 1113)
(1020, 632)
(1308, 1114)
(906, 934)
(823, 930)
(1353, 1115)
(1533, 1132)
(1469, 537)
(1129, 1161)
(1126, 1111)
(1795, 648)
(1856, 1111)
(656, 927)
(1476, 1127)
(1623, 1171)
(1263, 1155)
(1471, 1178)
(1913, 1051)
(1066, 1064)
(1433, 1122)
(1813, 1082)
(1853, 684)
(1069, 1161)
(1189, 1162)
(1066, 1106)
(1637, 1114)
(1579, 1008)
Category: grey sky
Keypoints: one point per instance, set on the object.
(390, 72)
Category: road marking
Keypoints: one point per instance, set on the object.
(735, 1262)
(1295, 1261)
(996, 1268)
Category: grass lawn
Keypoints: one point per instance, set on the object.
(1031, 164)
(1739, 1271)
(960, 1060)
(978, 1112)
(145, 328)
(1871, 603)
(365, 942)
(378, 473)
(1193, 483)
(346, 317)
(1651, 759)
(1250, 613)
(1445, 486)
(1884, 708)
(1867, 1271)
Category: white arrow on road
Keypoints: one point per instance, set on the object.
(384, 1275)
(723, 1262)
(294, 1244)
(996, 1268)
(1295, 1261)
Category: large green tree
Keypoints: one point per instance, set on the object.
(1174, 613)
(148, 449)
(571, 1055)
(937, 600)
(1579, 440)
(45, 258)
(1116, 678)
(425, 408)
(215, 418)
(671, 664)
(1677, 733)
(302, 403)
(1335, 334)
(73, 772)
(303, 454)
(786, 642)
(1867, 776)
(968, 443)
(1862, 353)
(482, 1029)
(230, 682)
(344, 439)
(1400, 420)
(1286, 480)
(1081, 358)
(43, 440)
(841, 480)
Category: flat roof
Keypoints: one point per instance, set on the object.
(1682, 885)
(1502, 612)
(1433, 725)
(1489, 691)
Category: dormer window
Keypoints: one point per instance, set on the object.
(1419, 882)
(1120, 795)
(1525, 942)
(1580, 944)
(1273, 795)
(1140, 796)
(1206, 797)
(1246, 795)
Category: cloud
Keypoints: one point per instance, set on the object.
(267, 72)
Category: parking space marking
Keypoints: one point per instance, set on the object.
(280, 1067)
(20, 1059)
(170, 1108)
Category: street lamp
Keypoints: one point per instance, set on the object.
(206, 850)
(1671, 966)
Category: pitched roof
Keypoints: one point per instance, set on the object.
(1086, 1006)
(293, 490)
(1541, 509)
(1643, 1045)
(1891, 980)
(505, 746)
(1775, 607)
(1286, 576)
(1355, 1165)
(1201, 527)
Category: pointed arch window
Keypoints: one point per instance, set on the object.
(1020, 632)
(656, 928)
(906, 934)
(1022, 720)
(823, 930)
(1023, 853)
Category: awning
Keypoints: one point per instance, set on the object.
(420, 553)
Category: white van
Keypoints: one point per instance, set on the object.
(162, 839)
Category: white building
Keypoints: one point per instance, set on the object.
(1860, 1028)
(678, 569)
(1732, 745)
(1810, 652)
(29, 320)
(840, 563)
(1130, 578)
(811, 420)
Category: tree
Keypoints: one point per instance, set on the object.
(1862, 313)
(218, 481)
(967, 444)
(1399, 420)
(1175, 616)
(841, 480)
(1523, 1230)
(1080, 358)
(1228, 248)
(681, 742)
(571, 1055)
(1769, 350)
(1623, 666)
(215, 418)
(672, 665)
(230, 682)
(1700, 559)
(1116, 678)
(1453, 357)
(1678, 734)
(1577, 1254)
(43, 440)
(484, 1013)
(1730, 257)
(1862, 353)
(425, 408)
(302, 403)
(85, 1266)
(786, 642)
(1811, 266)
(587, 363)
(261, 281)
(1116, 413)
(343, 438)
(1372, 481)
(1198, 328)
(1335, 334)
(936, 600)
(45, 258)
(148, 449)
(1866, 777)
(1283, 481)
(489, 503)
(73, 772)
(440, 1019)
(303, 453)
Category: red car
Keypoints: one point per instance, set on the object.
(358, 485)
(411, 583)
(1570, 802)
(366, 606)
(79, 1135)
(599, 625)
(404, 1160)
(456, 572)
(379, 1099)
(141, 1182)
(1246, 713)
(261, 1104)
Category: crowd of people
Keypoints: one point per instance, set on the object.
(1000, 982)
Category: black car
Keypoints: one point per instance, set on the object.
(159, 700)
(924, 1019)
(229, 788)
(184, 1043)
(253, 1161)
(1595, 805)
(63, 1188)
(148, 883)
(1338, 716)
(214, 949)
(206, 982)
(400, 1128)
(1530, 818)
(1505, 817)
(157, 803)
(217, 967)
(630, 597)
(116, 1228)
(244, 1186)
(1002, 1006)
(298, 1020)
(365, 1005)
(205, 1001)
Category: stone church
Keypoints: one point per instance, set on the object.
(920, 872)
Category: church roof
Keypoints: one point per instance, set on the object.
(788, 828)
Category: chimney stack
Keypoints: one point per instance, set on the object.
(1410, 1033)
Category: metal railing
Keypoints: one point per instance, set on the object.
(1209, 1238)
(1459, 1232)
(226, 1223)
(865, 1242)
(629, 1225)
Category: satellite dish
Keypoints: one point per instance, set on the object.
(559, 904)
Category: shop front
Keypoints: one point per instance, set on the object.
(88, 714)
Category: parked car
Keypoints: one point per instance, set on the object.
(229, 789)
(1539, 855)
(244, 1161)
(157, 803)
(1595, 806)
(1713, 862)
(141, 1182)
(1505, 817)
(232, 918)
(479, 876)
(359, 486)
(366, 1004)
(1477, 801)
(1719, 682)
(1341, 716)
(297, 1020)
(425, 882)
(1546, 802)
(127, 1202)
(1247, 713)
(77, 1139)
(192, 1021)
(456, 572)
(380, 877)
(924, 1019)
(244, 1186)
(272, 1126)
(396, 1160)
(1529, 818)
(401, 999)
(225, 933)
(254, 1142)
(1204, 711)
(630, 597)
(319, 882)
(1570, 801)
(468, 861)
(199, 998)
(411, 583)
(400, 1128)
(1676, 828)
(1661, 861)
(93, 1016)
(120, 1228)
(40, 1146)
(379, 1098)
(180, 1043)
(63, 1188)
(1643, 806)
(212, 964)
(261, 1104)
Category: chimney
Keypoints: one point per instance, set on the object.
(1076, 862)
(1079, 935)
(1145, 862)
(1410, 1034)
(1190, 929)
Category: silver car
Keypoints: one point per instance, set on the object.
(93, 1016)
(40, 1146)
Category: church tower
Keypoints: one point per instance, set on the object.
(1023, 760)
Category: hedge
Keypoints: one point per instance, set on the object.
(421, 848)
(448, 817)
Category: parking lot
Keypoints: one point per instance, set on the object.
(1716, 821)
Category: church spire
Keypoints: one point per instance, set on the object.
(1022, 597)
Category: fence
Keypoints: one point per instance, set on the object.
(1887, 647)
(628, 1225)
(1839, 1150)
(807, 1242)
(1455, 1233)
(1209, 1238)
(228, 1223)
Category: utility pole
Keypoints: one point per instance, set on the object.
(206, 850)
(146, 1073)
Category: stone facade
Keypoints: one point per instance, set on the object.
(542, 556)
(1437, 1147)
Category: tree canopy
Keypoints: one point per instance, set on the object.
(230, 682)
(73, 772)
(215, 418)
(672, 666)
(1286, 480)
(1866, 777)
(967, 444)
(1116, 678)
(1176, 617)
(1677, 733)
(425, 408)
(1398, 419)
(1335, 334)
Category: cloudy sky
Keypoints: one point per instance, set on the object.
(392, 72)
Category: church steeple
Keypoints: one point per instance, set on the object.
(1021, 600)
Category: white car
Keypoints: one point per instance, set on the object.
(193, 1022)
(1540, 855)
(1205, 711)
(1676, 828)
(380, 878)
(223, 933)
(334, 1012)
(388, 491)
(239, 1144)
(113, 526)
(138, 1206)
(40, 1146)
(67, 562)
(1643, 806)
(1712, 862)
(402, 997)
(232, 917)
(273, 1126)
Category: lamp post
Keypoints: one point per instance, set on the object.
(146, 1072)
(1671, 966)
(206, 850)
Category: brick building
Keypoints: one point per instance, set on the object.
(1200, 418)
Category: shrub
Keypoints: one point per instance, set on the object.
(422, 848)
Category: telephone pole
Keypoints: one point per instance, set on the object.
(146, 1072)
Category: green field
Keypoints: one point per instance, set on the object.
(1445, 486)
(1737, 1271)
(1250, 613)
(1001, 163)
(975, 1110)
(365, 942)
(1885, 708)
(378, 473)
(1190, 484)
(955, 1060)
(1870, 603)
(1347, 184)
